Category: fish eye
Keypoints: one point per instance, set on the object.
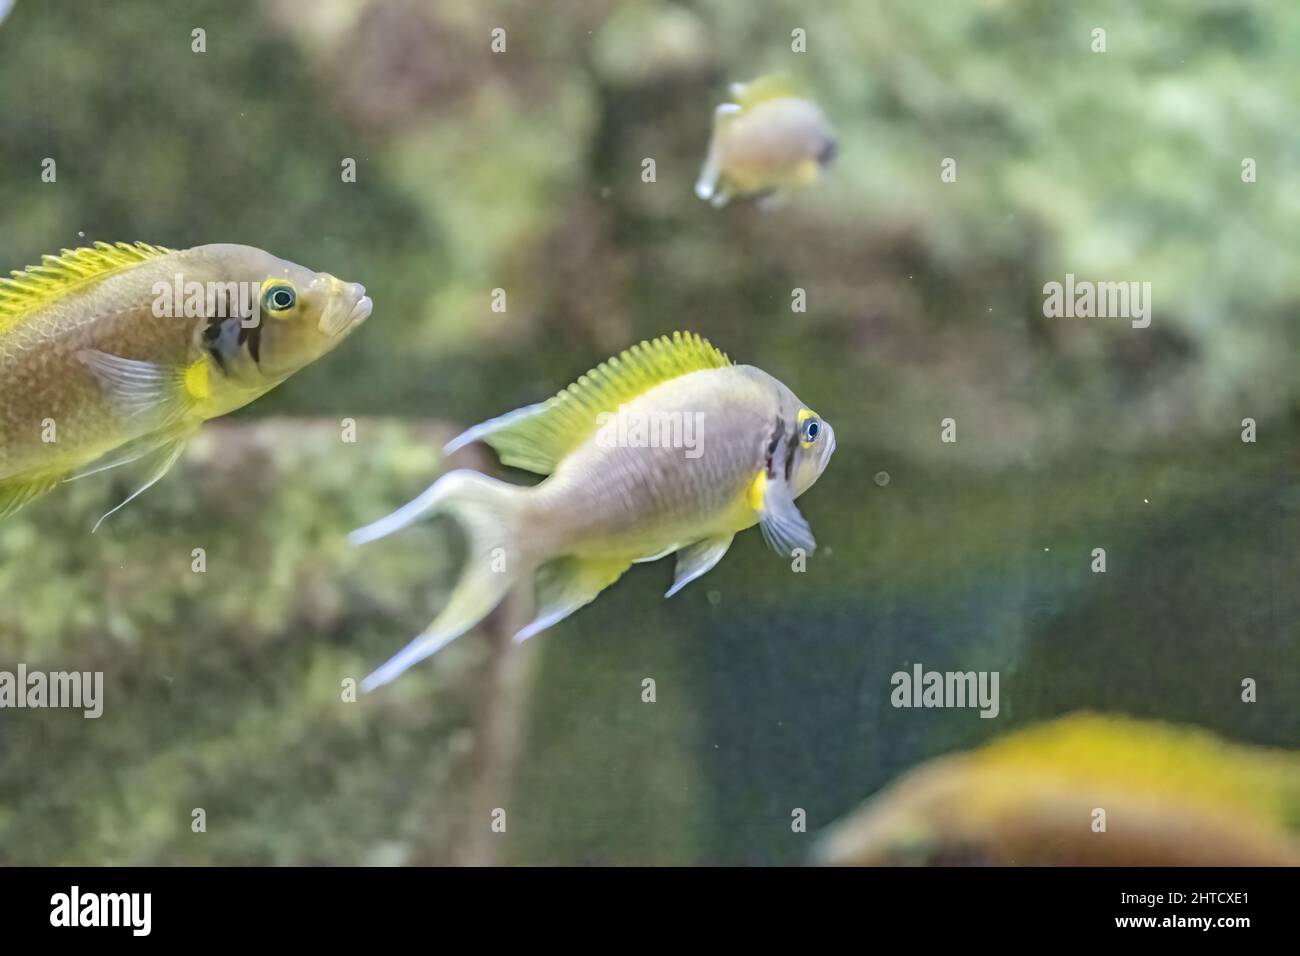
(810, 431)
(279, 298)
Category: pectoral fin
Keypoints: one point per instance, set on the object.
(140, 388)
(784, 528)
(160, 461)
(566, 584)
(697, 560)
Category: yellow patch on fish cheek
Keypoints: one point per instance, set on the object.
(806, 173)
(197, 383)
(757, 491)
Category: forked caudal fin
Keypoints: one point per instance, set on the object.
(499, 557)
(487, 510)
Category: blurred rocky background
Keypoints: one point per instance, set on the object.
(521, 171)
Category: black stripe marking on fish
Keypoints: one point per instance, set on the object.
(248, 334)
(827, 154)
(778, 430)
(790, 447)
(212, 341)
(252, 334)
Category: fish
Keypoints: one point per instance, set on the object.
(666, 448)
(766, 142)
(117, 353)
(1171, 795)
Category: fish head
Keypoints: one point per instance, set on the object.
(918, 820)
(295, 315)
(811, 446)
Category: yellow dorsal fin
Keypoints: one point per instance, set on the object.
(536, 438)
(774, 86)
(56, 276)
(1153, 757)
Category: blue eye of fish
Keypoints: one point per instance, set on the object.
(811, 429)
(279, 299)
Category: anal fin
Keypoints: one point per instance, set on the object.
(566, 584)
(23, 490)
(697, 560)
(133, 450)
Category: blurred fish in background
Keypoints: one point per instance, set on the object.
(766, 142)
(1084, 790)
(5, 7)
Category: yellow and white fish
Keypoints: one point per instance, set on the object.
(118, 353)
(666, 448)
(1172, 796)
(766, 142)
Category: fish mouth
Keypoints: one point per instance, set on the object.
(347, 312)
(360, 312)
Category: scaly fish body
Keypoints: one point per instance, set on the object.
(610, 500)
(667, 448)
(767, 142)
(125, 350)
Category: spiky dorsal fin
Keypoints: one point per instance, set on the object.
(58, 275)
(536, 438)
(774, 86)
